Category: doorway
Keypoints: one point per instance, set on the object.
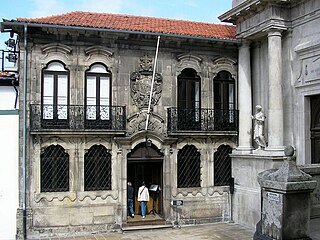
(315, 128)
(145, 164)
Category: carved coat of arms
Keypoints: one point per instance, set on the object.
(141, 84)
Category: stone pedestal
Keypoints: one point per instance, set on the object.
(285, 195)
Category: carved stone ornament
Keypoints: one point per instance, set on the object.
(140, 84)
(137, 123)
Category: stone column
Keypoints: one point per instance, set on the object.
(275, 111)
(245, 99)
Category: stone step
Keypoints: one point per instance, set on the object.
(145, 227)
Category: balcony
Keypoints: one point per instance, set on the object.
(202, 120)
(77, 118)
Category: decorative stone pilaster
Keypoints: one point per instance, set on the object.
(285, 195)
(245, 99)
(275, 111)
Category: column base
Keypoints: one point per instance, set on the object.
(243, 150)
(275, 150)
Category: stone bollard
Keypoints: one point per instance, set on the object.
(285, 205)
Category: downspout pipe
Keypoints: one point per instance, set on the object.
(24, 137)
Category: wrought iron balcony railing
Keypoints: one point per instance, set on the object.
(202, 120)
(77, 117)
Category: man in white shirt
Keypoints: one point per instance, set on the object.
(143, 198)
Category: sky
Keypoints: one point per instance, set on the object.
(193, 10)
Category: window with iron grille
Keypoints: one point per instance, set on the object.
(97, 169)
(188, 167)
(54, 169)
(222, 165)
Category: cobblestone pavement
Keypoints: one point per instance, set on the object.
(225, 231)
(315, 229)
(221, 231)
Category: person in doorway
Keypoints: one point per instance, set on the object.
(130, 194)
(143, 198)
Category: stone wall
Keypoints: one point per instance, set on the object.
(247, 195)
(78, 210)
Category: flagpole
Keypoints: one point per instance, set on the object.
(152, 83)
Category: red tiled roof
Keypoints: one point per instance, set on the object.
(138, 23)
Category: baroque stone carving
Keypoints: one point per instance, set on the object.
(138, 122)
(56, 48)
(223, 63)
(140, 84)
(99, 51)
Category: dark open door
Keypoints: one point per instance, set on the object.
(315, 129)
(145, 164)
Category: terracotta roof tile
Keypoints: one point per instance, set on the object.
(138, 23)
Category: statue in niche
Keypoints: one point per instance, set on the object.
(259, 119)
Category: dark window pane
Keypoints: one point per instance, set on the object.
(315, 128)
(224, 93)
(97, 169)
(188, 167)
(189, 100)
(54, 170)
(222, 165)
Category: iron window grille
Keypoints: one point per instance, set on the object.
(188, 167)
(77, 118)
(97, 169)
(54, 169)
(222, 166)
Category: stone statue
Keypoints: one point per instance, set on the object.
(259, 119)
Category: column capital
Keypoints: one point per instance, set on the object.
(245, 43)
(274, 32)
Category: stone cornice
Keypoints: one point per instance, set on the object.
(263, 28)
(242, 9)
(250, 7)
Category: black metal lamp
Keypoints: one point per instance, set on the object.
(11, 43)
(148, 142)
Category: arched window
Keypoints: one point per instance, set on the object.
(54, 168)
(55, 95)
(97, 169)
(225, 116)
(188, 167)
(189, 100)
(98, 96)
(224, 91)
(222, 165)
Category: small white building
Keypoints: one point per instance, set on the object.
(9, 149)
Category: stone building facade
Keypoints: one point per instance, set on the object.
(279, 64)
(87, 101)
